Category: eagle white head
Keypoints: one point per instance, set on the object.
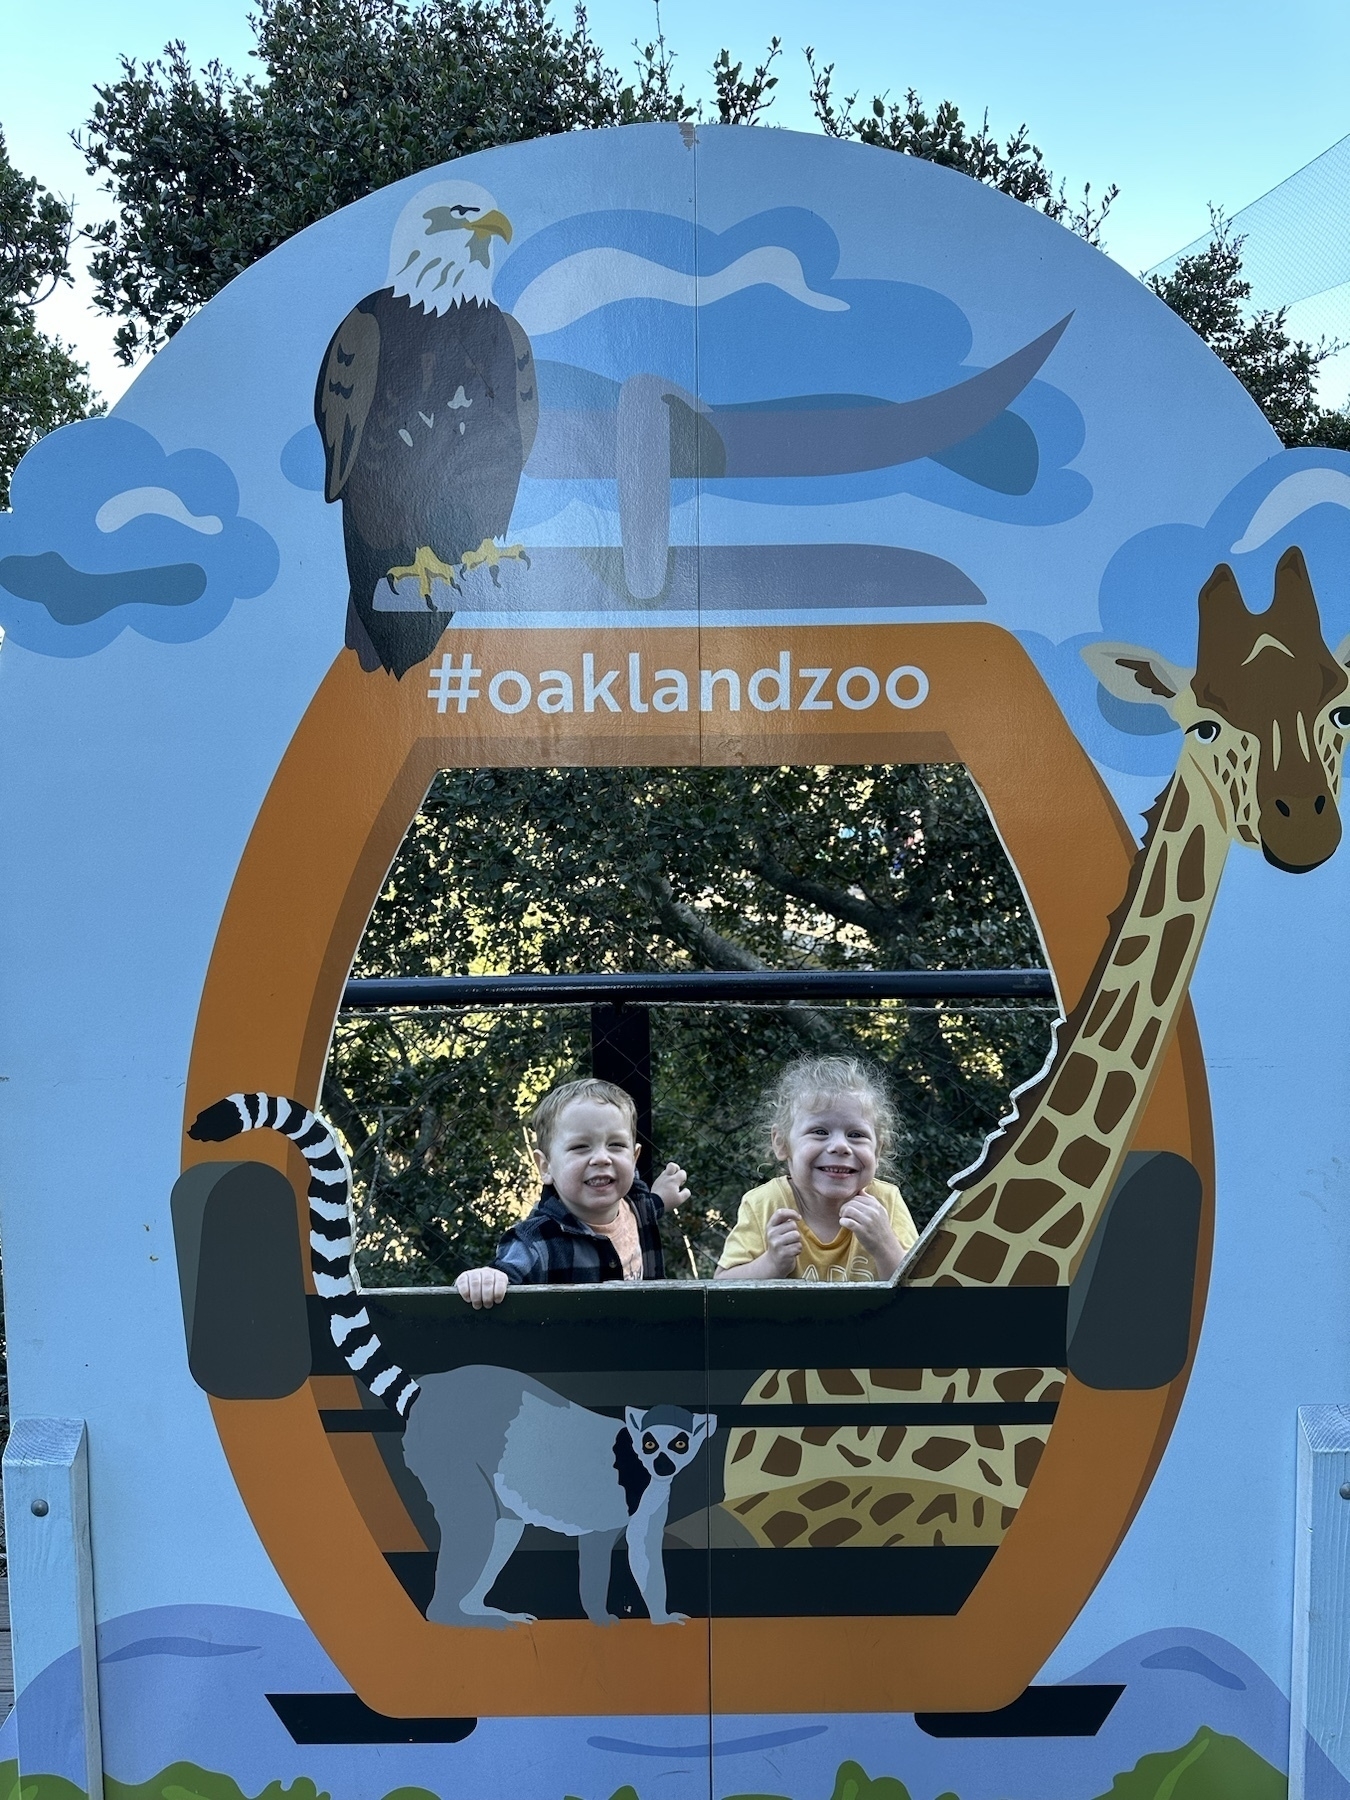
(440, 253)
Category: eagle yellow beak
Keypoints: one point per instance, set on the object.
(491, 224)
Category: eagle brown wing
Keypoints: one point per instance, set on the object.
(343, 397)
(527, 391)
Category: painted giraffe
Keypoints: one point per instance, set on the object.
(1264, 721)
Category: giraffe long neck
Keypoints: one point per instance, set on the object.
(1028, 1207)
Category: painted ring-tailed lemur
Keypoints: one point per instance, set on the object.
(494, 1449)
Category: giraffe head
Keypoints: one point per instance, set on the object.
(1264, 712)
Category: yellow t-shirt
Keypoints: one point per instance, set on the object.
(842, 1259)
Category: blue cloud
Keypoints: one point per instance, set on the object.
(1149, 590)
(108, 532)
(302, 460)
(795, 329)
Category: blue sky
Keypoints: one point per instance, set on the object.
(1182, 102)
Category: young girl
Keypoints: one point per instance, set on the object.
(827, 1217)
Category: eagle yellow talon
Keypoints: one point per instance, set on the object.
(488, 555)
(426, 567)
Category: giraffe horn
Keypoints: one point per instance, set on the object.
(1222, 610)
(1293, 590)
(1221, 593)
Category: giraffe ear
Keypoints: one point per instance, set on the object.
(1135, 674)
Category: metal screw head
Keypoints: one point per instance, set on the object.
(1345, 1490)
(40, 1509)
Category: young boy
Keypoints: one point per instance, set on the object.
(595, 1221)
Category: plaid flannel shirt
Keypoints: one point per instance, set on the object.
(553, 1246)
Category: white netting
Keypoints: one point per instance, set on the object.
(1297, 255)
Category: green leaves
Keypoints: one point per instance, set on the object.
(1207, 290)
(41, 384)
(852, 1782)
(1016, 167)
(209, 170)
(1211, 1767)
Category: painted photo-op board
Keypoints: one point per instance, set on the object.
(701, 447)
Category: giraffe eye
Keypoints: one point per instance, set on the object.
(1206, 730)
(1340, 718)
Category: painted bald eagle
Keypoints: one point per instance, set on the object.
(427, 406)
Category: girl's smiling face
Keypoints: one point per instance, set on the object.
(831, 1149)
(591, 1160)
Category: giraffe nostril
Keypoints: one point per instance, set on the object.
(1319, 803)
(1283, 806)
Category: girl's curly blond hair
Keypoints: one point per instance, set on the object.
(811, 1079)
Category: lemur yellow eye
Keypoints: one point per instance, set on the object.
(680, 1445)
(1205, 729)
(1340, 718)
(649, 1444)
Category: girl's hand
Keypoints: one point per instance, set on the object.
(670, 1185)
(784, 1242)
(870, 1223)
(481, 1287)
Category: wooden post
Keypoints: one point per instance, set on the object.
(51, 1577)
(1319, 1694)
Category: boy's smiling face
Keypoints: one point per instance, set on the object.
(590, 1160)
(831, 1149)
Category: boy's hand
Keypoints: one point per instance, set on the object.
(481, 1287)
(870, 1223)
(669, 1184)
(784, 1242)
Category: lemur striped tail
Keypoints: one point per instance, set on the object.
(331, 1230)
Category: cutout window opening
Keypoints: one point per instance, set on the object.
(816, 871)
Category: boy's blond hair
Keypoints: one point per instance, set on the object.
(813, 1078)
(544, 1118)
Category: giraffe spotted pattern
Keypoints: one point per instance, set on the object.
(1264, 720)
(822, 1486)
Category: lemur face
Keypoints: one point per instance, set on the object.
(666, 1438)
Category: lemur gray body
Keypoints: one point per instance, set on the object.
(494, 1449)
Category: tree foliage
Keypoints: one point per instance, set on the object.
(208, 170)
(1016, 167)
(41, 384)
(1209, 291)
(584, 870)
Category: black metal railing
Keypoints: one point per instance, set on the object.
(621, 1041)
(380, 993)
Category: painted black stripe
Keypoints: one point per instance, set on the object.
(631, 1326)
(732, 1418)
(254, 1109)
(345, 1719)
(989, 1412)
(317, 1134)
(916, 1580)
(295, 1114)
(1077, 1710)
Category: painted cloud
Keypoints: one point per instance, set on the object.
(1148, 593)
(108, 532)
